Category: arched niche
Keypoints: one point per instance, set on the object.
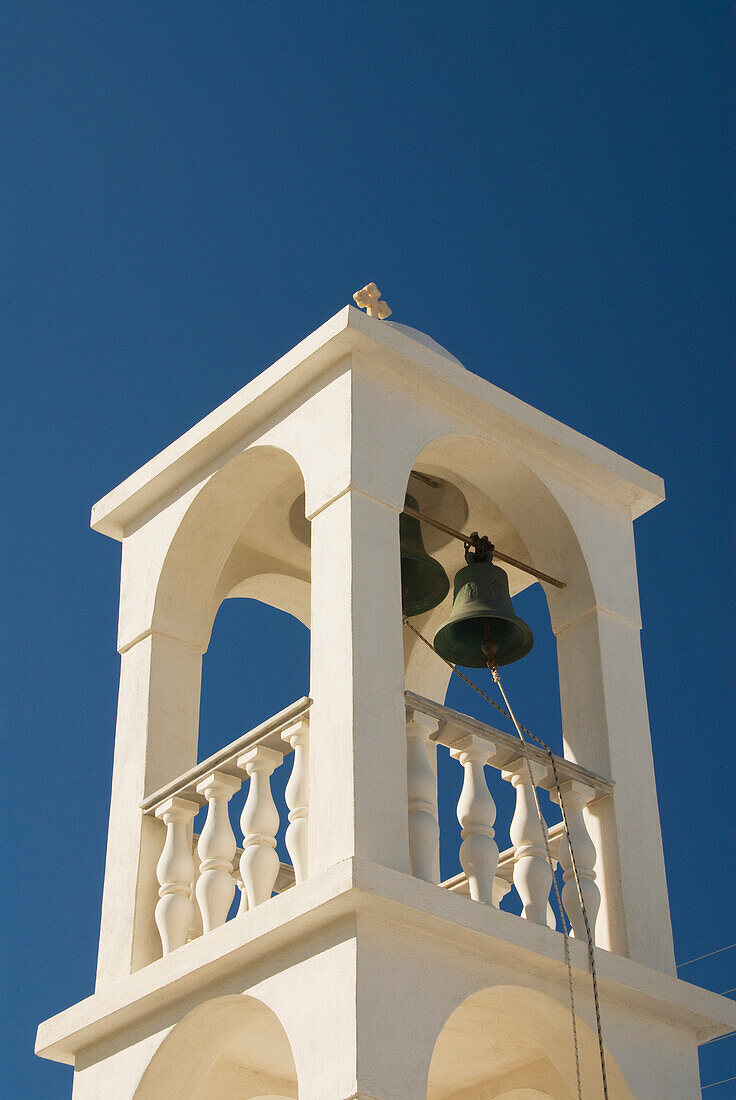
(511, 1043)
(233, 1046)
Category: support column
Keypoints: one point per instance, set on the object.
(424, 825)
(362, 1014)
(606, 728)
(357, 722)
(155, 740)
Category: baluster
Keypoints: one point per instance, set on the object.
(424, 828)
(500, 889)
(576, 795)
(238, 880)
(215, 886)
(532, 872)
(297, 798)
(259, 863)
(175, 871)
(476, 812)
(195, 928)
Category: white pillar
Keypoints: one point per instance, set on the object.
(532, 872)
(155, 740)
(362, 1015)
(357, 721)
(297, 799)
(606, 728)
(424, 826)
(175, 871)
(216, 848)
(476, 812)
(574, 797)
(259, 863)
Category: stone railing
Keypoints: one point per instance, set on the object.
(199, 875)
(208, 872)
(489, 875)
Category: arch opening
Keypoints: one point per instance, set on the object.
(508, 501)
(511, 1043)
(233, 1046)
(236, 577)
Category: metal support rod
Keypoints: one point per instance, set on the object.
(496, 553)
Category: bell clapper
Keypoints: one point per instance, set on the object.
(480, 549)
(489, 647)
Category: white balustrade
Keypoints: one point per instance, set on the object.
(175, 871)
(424, 828)
(297, 798)
(211, 872)
(259, 863)
(532, 872)
(575, 796)
(198, 876)
(476, 813)
(215, 886)
(488, 877)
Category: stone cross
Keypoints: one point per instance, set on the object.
(369, 299)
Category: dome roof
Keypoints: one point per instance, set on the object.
(422, 338)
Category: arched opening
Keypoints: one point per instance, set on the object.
(230, 1047)
(257, 662)
(234, 538)
(236, 581)
(516, 1044)
(473, 485)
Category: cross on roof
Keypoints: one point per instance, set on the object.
(369, 299)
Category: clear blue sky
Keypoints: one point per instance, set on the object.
(190, 188)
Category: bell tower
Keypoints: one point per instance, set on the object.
(344, 966)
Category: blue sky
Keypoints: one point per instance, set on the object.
(188, 190)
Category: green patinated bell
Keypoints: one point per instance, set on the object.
(483, 623)
(424, 583)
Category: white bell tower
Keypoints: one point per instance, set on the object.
(351, 971)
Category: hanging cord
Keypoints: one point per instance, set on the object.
(508, 713)
(588, 930)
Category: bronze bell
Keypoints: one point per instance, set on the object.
(482, 629)
(424, 583)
